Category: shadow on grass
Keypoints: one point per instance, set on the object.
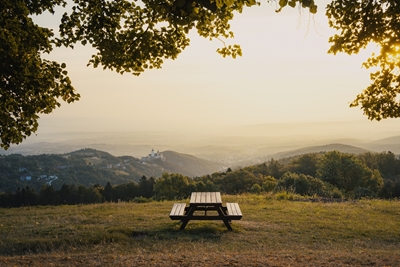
(169, 233)
(205, 232)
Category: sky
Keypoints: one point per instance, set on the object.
(284, 76)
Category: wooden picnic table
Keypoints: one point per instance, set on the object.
(204, 202)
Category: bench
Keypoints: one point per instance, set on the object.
(177, 211)
(233, 211)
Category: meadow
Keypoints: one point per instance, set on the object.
(274, 231)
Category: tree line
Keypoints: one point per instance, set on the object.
(331, 175)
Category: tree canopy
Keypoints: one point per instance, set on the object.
(132, 36)
(360, 23)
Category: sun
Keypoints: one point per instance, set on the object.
(393, 55)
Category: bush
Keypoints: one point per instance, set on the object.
(269, 184)
(336, 193)
(255, 189)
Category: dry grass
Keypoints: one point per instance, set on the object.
(271, 233)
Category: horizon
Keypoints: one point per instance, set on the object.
(240, 143)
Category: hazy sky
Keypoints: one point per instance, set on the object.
(285, 75)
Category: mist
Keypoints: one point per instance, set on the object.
(230, 145)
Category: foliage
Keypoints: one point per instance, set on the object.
(172, 186)
(305, 164)
(301, 184)
(72, 195)
(256, 189)
(131, 36)
(29, 85)
(303, 3)
(237, 182)
(338, 175)
(346, 172)
(128, 37)
(360, 23)
(269, 184)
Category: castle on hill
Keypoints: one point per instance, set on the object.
(153, 156)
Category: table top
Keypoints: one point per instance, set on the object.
(205, 198)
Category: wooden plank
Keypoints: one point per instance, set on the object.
(218, 197)
(233, 209)
(213, 197)
(181, 209)
(208, 197)
(229, 208)
(203, 197)
(178, 209)
(193, 197)
(173, 210)
(238, 211)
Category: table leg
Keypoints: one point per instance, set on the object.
(224, 218)
(187, 217)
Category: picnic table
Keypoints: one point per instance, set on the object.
(205, 206)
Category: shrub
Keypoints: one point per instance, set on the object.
(269, 184)
(256, 189)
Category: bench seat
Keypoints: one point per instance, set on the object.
(233, 211)
(177, 211)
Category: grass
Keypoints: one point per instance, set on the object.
(365, 232)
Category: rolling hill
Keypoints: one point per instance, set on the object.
(89, 167)
(386, 144)
(324, 148)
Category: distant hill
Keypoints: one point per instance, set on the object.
(187, 164)
(89, 167)
(391, 144)
(324, 148)
(387, 141)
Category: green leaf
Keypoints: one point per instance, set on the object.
(229, 2)
(283, 3)
(313, 9)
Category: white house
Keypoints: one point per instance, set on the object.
(153, 156)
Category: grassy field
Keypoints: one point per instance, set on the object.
(271, 233)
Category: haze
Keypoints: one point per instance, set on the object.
(285, 91)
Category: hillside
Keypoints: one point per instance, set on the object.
(296, 152)
(391, 144)
(89, 167)
(324, 148)
(187, 164)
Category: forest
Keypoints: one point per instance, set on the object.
(332, 175)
